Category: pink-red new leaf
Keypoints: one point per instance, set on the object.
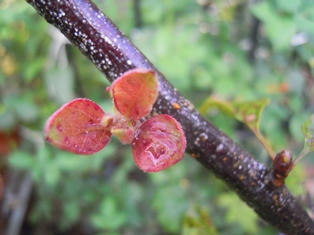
(135, 92)
(160, 143)
(76, 127)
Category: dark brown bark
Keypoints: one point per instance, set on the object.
(96, 36)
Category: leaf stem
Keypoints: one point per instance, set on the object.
(303, 153)
(264, 142)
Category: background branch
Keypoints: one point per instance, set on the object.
(138, 21)
(95, 35)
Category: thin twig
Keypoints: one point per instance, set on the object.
(264, 142)
(138, 21)
(304, 152)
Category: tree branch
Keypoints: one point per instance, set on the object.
(96, 36)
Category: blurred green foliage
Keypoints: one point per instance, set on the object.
(203, 48)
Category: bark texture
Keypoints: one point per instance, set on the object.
(100, 40)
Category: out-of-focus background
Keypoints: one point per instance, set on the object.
(241, 50)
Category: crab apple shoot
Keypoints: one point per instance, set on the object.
(77, 127)
(82, 127)
(135, 92)
(159, 144)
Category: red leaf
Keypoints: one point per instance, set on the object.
(135, 92)
(77, 127)
(160, 143)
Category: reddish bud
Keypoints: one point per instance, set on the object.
(77, 127)
(159, 144)
(123, 129)
(124, 135)
(107, 120)
(134, 93)
(282, 165)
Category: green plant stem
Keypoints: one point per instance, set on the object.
(264, 142)
(304, 152)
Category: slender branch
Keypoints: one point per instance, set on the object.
(79, 86)
(305, 151)
(254, 38)
(96, 36)
(138, 22)
(264, 142)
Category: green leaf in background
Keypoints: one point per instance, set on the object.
(308, 131)
(31, 70)
(295, 180)
(279, 28)
(69, 162)
(274, 115)
(214, 102)
(290, 6)
(20, 108)
(197, 221)
(248, 112)
(305, 18)
(109, 216)
(71, 213)
(297, 121)
(238, 212)
(306, 21)
(7, 119)
(21, 160)
(170, 211)
(60, 84)
(26, 110)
